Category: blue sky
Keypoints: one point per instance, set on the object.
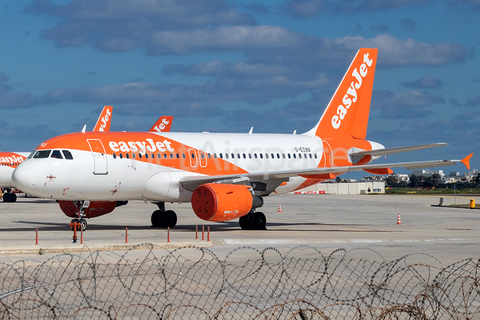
(225, 66)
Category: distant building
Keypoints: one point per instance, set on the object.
(347, 187)
(428, 173)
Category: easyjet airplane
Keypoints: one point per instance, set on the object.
(8, 162)
(224, 175)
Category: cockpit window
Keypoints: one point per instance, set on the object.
(42, 154)
(31, 154)
(56, 154)
(67, 154)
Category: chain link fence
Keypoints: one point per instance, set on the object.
(193, 283)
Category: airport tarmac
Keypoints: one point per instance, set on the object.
(323, 222)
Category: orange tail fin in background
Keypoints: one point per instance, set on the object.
(348, 110)
(163, 124)
(103, 122)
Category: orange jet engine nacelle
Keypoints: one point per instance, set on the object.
(95, 209)
(223, 202)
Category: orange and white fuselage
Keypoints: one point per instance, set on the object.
(149, 166)
(8, 162)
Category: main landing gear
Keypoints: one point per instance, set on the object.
(253, 221)
(9, 196)
(162, 218)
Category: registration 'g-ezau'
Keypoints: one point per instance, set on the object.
(224, 176)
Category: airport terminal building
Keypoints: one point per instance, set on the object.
(363, 187)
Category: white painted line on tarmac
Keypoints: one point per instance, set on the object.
(280, 241)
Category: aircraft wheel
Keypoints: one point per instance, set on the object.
(258, 221)
(9, 197)
(83, 224)
(169, 219)
(245, 222)
(156, 218)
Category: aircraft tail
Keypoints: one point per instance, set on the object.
(103, 122)
(348, 110)
(163, 124)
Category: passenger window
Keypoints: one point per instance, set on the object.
(220, 156)
(193, 155)
(146, 155)
(255, 155)
(56, 154)
(226, 155)
(289, 157)
(178, 156)
(244, 156)
(294, 156)
(315, 156)
(310, 156)
(114, 156)
(121, 156)
(165, 156)
(171, 155)
(127, 155)
(183, 155)
(139, 156)
(42, 154)
(261, 155)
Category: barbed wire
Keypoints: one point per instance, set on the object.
(193, 283)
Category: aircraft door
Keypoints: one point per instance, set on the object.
(193, 158)
(203, 159)
(327, 155)
(99, 156)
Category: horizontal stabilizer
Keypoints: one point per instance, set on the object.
(387, 151)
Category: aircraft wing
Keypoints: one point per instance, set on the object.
(387, 151)
(277, 177)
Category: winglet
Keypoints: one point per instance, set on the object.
(103, 122)
(466, 161)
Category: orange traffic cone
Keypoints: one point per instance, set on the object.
(398, 219)
(279, 208)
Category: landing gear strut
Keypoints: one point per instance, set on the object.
(162, 218)
(253, 221)
(81, 206)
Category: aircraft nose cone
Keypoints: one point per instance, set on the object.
(24, 177)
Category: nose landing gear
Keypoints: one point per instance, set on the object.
(81, 206)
